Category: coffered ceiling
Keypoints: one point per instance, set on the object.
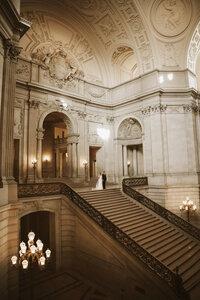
(109, 41)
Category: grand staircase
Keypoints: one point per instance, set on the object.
(175, 249)
(164, 242)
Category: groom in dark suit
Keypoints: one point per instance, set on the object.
(104, 179)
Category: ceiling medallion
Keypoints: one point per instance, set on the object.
(171, 17)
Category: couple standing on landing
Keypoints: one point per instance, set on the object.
(101, 183)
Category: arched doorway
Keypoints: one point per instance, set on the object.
(42, 223)
(59, 147)
(130, 148)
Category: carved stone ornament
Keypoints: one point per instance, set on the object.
(171, 17)
(130, 128)
(60, 68)
(18, 122)
(12, 50)
(40, 133)
(191, 108)
(160, 108)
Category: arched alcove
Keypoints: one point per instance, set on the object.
(129, 137)
(124, 63)
(58, 157)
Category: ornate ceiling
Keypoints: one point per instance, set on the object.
(109, 41)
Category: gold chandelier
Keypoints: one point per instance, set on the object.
(32, 253)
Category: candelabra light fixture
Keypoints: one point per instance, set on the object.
(31, 254)
(188, 206)
(34, 163)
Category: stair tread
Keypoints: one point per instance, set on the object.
(184, 255)
(169, 241)
(192, 281)
(130, 213)
(138, 223)
(147, 228)
(153, 235)
(172, 249)
(191, 272)
(189, 263)
(159, 240)
(127, 221)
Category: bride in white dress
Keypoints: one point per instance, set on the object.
(99, 185)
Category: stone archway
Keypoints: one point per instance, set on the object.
(130, 147)
(59, 147)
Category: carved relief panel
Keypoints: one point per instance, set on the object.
(130, 128)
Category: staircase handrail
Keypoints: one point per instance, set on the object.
(127, 187)
(45, 189)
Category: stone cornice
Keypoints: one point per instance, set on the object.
(11, 22)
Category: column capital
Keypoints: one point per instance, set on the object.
(12, 50)
(40, 133)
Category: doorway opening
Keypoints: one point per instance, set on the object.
(16, 160)
(93, 152)
(42, 223)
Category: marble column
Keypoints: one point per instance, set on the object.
(74, 160)
(40, 135)
(69, 151)
(135, 168)
(11, 52)
(57, 162)
(125, 160)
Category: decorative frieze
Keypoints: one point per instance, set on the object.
(191, 108)
(160, 108)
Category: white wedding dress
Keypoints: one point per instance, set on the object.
(99, 185)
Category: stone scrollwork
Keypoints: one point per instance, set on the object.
(58, 65)
(130, 128)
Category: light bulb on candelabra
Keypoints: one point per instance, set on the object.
(48, 253)
(31, 236)
(14, 260)
(25, 264)
(23, 247)
(42, 260)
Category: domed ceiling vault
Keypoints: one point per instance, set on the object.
(83, 35)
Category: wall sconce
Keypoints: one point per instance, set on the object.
(84, 162)
(66, 154)
(188, 206)
(34, 163)
(46, 158)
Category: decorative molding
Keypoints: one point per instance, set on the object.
(11, 50)
(40, 133)
(33, 103)
(194, 49)
(23, 70)
(110, 119)
(18, 122)
(191, 108)
(160, 108)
